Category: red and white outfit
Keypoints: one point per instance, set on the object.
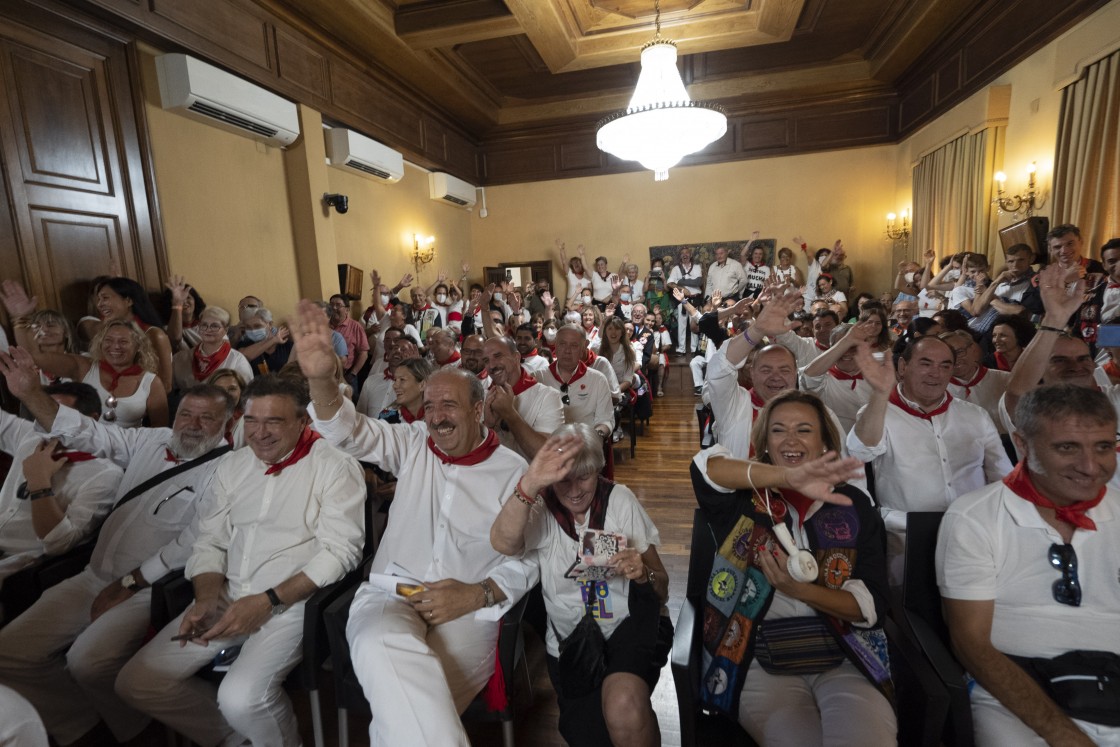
(993, 545)
(538, 405)
(264, 524)
(843, 393)
(533, 363)
(130, 410)
(190, 366)
(589, 395)
(418, 679)
(985, 388)
(377, 392)
(926, 459)
(805, 349)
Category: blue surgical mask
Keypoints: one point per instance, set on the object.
(625, 297)
(256, 335)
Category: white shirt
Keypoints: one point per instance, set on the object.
(260, 530)
(729, 278)
(805, 349)
(690, 280)
(993, 545)
(755, 277)
(556, 552)
(731, 405)
(986, 392)
(845, 398)
(603, 366)
(541, 408)
(439, 522)
(130, 410)
(377, 393)
(534, 363)
(576, 284)
(589, 398)
(155, 530)
(923, 465)
(601, 287)
(85, 490)
(183, 375)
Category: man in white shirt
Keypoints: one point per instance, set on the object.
(53, 498)
(834, 374)
(422, 659)
(473, 358)
(806, 349)
(973, 382)
(377, 391)
(726, 276)
(926, 446)
(1027, 568)
(441, 347)
(690, 278)
(531, 359)
(522, 411)
(102, 614)
(584, 392)
(285, 520)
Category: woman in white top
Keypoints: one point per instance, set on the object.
(616, 349)
(194, 365)
(121, 367)
(786, 271)
(575, 269)
(835, 299)
(592, 323)
(602, 282)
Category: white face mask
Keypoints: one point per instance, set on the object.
(441, 299)
(385, 299)
(550, 334)
(909, 277)
(587, 300)
(499, 296)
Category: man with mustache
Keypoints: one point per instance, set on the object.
(422, 659)
(102, 614)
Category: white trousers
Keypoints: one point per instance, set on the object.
(682, 331)
(72, 689)
(20, 725)
(417, 679)
(698, 366)
(995, 726)
(837, 708)
(249, 704)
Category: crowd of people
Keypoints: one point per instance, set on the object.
(987, 392)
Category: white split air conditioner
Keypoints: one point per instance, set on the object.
(201, 91)
(349, 150)
(450, 189)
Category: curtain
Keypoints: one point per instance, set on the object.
(1087, 162)
(953, 195)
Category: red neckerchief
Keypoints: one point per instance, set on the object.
(1001, 362)
(819, 345)
(839, 375)
(800, 502)
(483, 374)
(756, 401)
(141, 323)
(453, 358)
(532, 353)
(306, 440)
(596, 512)
(1112, 285)
(389, 373)
(134, 370)
(73, 456)
(581, 370)
(981, 372)
(203, 365)
(896, 400)
(1112, 369)
(589, 359)
(169, 456)
(1020, 483)
(408, 417)
(524, 382)
(478, 454)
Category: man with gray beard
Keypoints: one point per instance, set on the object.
(102, 614)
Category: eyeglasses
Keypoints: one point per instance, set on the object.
(211, 327)
(564, 395)
(1067, 589)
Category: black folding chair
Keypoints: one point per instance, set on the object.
(24, 587)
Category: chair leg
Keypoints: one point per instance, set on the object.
(507, 733)
(343, 728)
(316, 718)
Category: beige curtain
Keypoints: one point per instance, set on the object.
(953, 195)
(1087, 164)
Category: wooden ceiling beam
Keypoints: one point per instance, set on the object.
(904, 37)
(544, 24)
(453, 22)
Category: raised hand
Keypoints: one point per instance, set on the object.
(552, 463)
(407, 349)
(773, 319)
(179, 289)
(546, 299)
(406, 280)
(626, 258)
(375, 282)
(755, 235)
(862, 332)
(616, 282)
(313, 347)
(610, 309)
(799, 240)
(717, 297)
(441, 277)
(929, 256)
(16, 300)
(19, 371)
(581, 250)
(1060, 297)
(678, 293)
(877, 371)
(466, 268)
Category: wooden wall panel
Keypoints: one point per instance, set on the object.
(307, 68)
(580, 155)
(764, 134)
(70, 247)
(947, 79)
(915, 105)
(236, 27)
(846, 129)
(435, 139)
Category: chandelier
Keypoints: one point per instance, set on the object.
(662, 124)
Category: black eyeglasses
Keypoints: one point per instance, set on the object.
(1067, 589)
(565, 398)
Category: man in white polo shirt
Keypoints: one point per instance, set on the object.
(584, 392)
(834, 374)
(522, 411)
(972, 381)
(1027, 568)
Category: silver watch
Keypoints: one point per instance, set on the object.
(488, 590)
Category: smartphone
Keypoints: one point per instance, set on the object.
(1108, 336)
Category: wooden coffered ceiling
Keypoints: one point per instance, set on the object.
(528, 79)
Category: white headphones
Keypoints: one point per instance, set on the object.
(800, 564)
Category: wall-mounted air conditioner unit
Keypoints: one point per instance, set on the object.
(195, 89)
(450, 189)
(349, 150)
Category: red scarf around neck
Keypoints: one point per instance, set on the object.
(453, 358)
(524, 382)
(839, 375)
(1020, 483)
(115, 376)
(756, 401)
(1001, 362)
(981, 372)
(408, 417)
(73, 456)
(203, 365)
(478, 454)
(579, 373)
(306, 440)
(596, 512)
(897, 400)
(800, 502)
(1112, 370)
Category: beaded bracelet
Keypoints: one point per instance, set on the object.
(332, 403)
(528, 500)
(1045, 328)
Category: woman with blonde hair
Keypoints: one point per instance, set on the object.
(616, 349)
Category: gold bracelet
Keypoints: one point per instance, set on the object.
(332, 403)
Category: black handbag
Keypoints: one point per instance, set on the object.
(1085, 684)
(582, 664)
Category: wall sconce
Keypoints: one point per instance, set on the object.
(423, 250)
(1018, 204)
(899, 233)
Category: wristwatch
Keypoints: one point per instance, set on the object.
(129, 582)
(649, 576)
(274, 600)
(488, 590)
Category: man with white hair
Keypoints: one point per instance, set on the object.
(584, 392)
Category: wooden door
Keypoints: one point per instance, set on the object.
(70, 150)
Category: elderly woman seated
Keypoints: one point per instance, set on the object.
(793, 639)
(602, 578)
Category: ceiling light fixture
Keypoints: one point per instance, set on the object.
(662, 124)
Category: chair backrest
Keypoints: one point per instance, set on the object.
(920, 594)
(700, 556)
